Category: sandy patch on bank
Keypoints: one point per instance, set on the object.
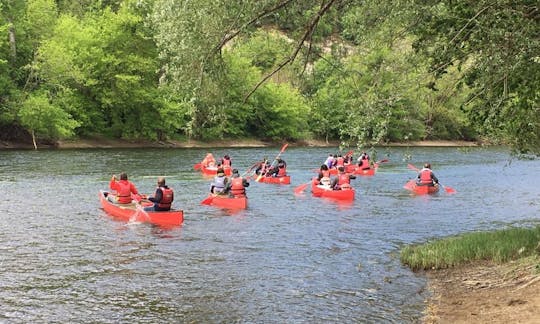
(485, 293)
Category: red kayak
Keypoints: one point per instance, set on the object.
(277, 180)
(135, 212)
(421, 190)
(326, 192)
(226, 202)
(212, 171)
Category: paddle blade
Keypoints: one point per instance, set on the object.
(449, 190)
(412, 167)
(382, 161)
(208, 200)
(196, 166)
(301, 188)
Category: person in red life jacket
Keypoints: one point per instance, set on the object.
(363, 161)
(217, 187)
(343, 180)
(124, 189)
(340, 161)
(208, 161)
(280, 170)
(226, 161)
(236, 187)
(262, 166)
(426, 177)
(323, 172)
(163, 197)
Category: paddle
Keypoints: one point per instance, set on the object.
(449, 190)
(283, 148)
(196, 166)
(301, 188)
(208, 200)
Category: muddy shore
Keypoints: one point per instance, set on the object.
(108, 143)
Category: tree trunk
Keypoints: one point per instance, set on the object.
(12, 43)
(34, 140)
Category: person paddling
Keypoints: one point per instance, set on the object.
(343, 180)
(426, 177)
(236, 187)
(217, 187)
(162, 198)
(124, 189)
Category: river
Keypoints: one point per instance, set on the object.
(286, 259)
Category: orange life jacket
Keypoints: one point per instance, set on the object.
(166, 198)
(343, 179)
(237, 187)
(124, 192)
(425, 176)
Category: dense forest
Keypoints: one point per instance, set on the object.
(363, 72)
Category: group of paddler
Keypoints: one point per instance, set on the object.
(235, 185)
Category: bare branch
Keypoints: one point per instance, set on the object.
(307, 34)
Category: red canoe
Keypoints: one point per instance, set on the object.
(134, 212)
(212, 171)
(226, 202)
(420, 190)
(277, 180)
(322, 191)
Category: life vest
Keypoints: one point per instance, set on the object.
(219, 184)
(166, 198)
(325, 173)
(325, 181)
(340, 161)
(124, 192)
(237, 187)
(226, 163)
(425, 176)
(343, 178)
(282, 171)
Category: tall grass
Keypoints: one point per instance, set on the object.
(499, 246)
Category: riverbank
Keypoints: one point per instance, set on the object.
(485, 292)
(110, 143)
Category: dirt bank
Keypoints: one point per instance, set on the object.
(109, 143)
(485, 293)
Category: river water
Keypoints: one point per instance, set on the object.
(286, 259)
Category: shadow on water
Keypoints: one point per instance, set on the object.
(286, 258)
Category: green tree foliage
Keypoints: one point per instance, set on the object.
(497, 45)
(274, 69)
(42, 118)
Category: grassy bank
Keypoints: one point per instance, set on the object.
(498, 246)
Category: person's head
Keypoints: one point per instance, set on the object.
(427, 165)
(235, 172)
(341, 169)
(226, 157)
(220, 172)
(161, 181)
(123, 176)
(324, 167)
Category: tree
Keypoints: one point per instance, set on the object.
(496, 44)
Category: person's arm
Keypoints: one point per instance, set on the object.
(158, 195)
(112, 184)
(352, 176)
(434, 178)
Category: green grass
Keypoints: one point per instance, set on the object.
(498, 246)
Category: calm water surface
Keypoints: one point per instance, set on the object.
(287, 258)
